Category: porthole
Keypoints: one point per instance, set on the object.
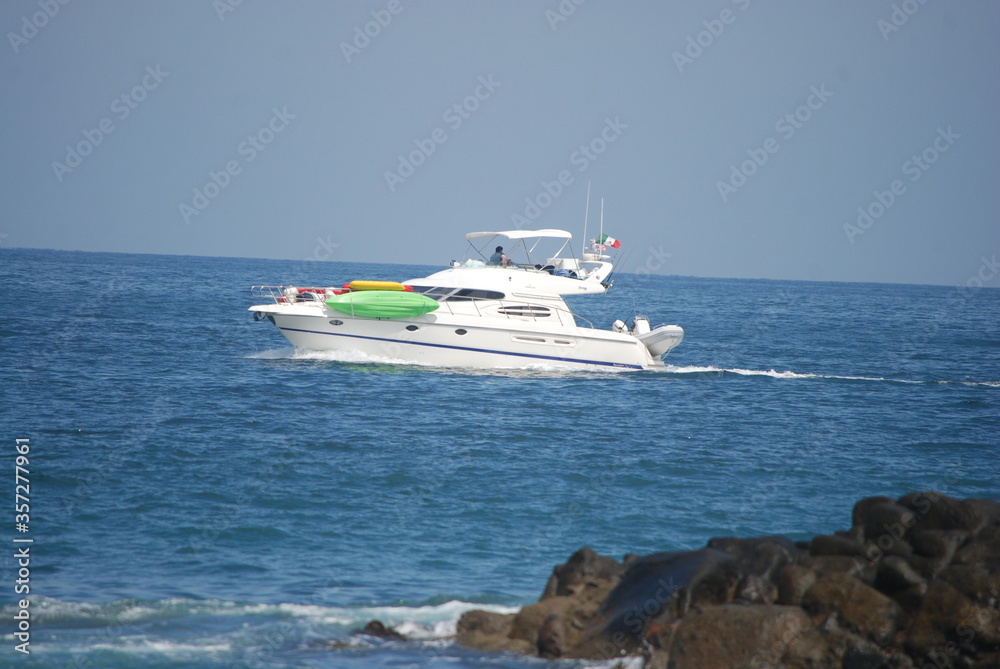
(336, 322)
(412, 328)
(461, 331)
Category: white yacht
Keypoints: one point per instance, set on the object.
(475, 313)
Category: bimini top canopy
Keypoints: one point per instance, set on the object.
(522, 234)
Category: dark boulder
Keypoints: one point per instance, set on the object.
(760, 556)
(935, 511)
(886, 523)
(860, 510)
(378, 629)
(583, 567)
(793, 582)
(828, 544)
(733, 635)
(938, 543)
(551, 640)
(860, 608)
(950, 625)
(659, 585)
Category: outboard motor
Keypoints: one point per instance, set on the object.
(619, 326)
(640, 325)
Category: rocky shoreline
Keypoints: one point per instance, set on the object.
(914, 583)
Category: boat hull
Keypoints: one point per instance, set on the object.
(462, 342)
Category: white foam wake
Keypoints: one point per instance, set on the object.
(695, 369)
(418, 622)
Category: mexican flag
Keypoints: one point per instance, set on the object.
(610, 241)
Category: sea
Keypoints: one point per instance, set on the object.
(197, 493)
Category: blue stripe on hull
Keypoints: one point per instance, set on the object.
(467, 348)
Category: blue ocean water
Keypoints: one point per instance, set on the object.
(201, 495)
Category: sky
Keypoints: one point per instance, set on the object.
(784, 139)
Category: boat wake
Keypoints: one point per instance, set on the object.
(788, 374)
(551, 369)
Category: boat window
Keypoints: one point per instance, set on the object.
(524, 310)
(336, 322)
(412, 328)
(461, 331)
(458, 294)
(476, 294)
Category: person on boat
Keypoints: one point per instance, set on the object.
(500, 258)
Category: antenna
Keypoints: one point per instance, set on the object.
(602, 219)
(586, 214)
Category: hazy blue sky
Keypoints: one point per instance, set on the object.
(729, 138)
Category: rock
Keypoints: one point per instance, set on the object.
(551, 642)
(583, 567)
(976, 582)
(949, 624)
(841, 564)
(988, 509)
(861, 608)
(659, 585)
(895, 574)
(856, 533)
(489, 631)
(378, 629)
(756, 590)
(984, 549)
(886, 523)
(826, 544)
(761, 556)
(899, 580)
(928, 567)
(913, 583)
(938, 543)
(858, 658)
(793, 581)
(860, 510)
(935, 511)
(486, 622)
(575, 615)
(733, 635)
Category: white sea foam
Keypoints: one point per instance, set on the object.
(146, 646)
(418, 622)
(788, 374)
(555, 369)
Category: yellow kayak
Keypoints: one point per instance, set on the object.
(375, 285)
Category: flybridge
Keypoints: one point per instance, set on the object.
(519, 237)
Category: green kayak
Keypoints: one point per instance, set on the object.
(382, 304)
